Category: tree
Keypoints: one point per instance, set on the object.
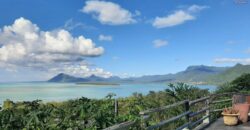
(7, 104)
(181, 91)
(240, 84)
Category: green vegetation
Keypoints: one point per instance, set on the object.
(94, 114)
(240, 84)
(229, 75)
(86, 113)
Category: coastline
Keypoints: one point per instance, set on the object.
(97, 84)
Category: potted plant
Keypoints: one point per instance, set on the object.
(230, 116)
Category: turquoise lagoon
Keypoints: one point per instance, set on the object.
(64, 91)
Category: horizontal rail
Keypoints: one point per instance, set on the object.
(145, 117)
(222, 94)
(121, 126)
(216, 110)
(201, 126)
(168, 121)
(199, 112)
(214, 96)
(162, 108)
(198, 121)
(219, 101)
(198, 100)
(184, 126)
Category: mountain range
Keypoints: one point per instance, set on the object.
(200, 74)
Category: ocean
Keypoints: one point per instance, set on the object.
(45, 91)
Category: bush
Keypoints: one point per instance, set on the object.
(84, 113)
(240, 84)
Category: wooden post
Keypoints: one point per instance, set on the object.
(238, 98)
(207, 120)
(144, 123)
(187, 107)
(116, 107)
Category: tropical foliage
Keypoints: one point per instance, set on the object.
(84, 113)
(229, 75)
(240, 84)
(92, 114)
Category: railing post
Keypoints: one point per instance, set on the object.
(116, 107)
(144, 119)
(238, 98)
(207, 120)
(187, 107)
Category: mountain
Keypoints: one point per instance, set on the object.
(200, 74)
(192, 74)
(229, 75)
(150, 78)
(65, 78)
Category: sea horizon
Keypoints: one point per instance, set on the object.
(57, 92)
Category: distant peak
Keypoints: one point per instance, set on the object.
(238, 64)
(93, 76)
(61, 74)
(196, 66)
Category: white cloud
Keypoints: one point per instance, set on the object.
(71, 25)
(127, 75)
(233, 60)
(82, 71)
(160, 43)
(124, 75)
(108, 12)
(23, 44)
(178, 17)
(105, 37)
(196, 8)
(24, 41)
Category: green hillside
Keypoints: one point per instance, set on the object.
(198, 73)
(229, 75)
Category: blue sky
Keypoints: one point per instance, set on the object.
(120, 37)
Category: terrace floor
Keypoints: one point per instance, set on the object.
(219, 125)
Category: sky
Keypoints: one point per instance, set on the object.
(41, 38)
